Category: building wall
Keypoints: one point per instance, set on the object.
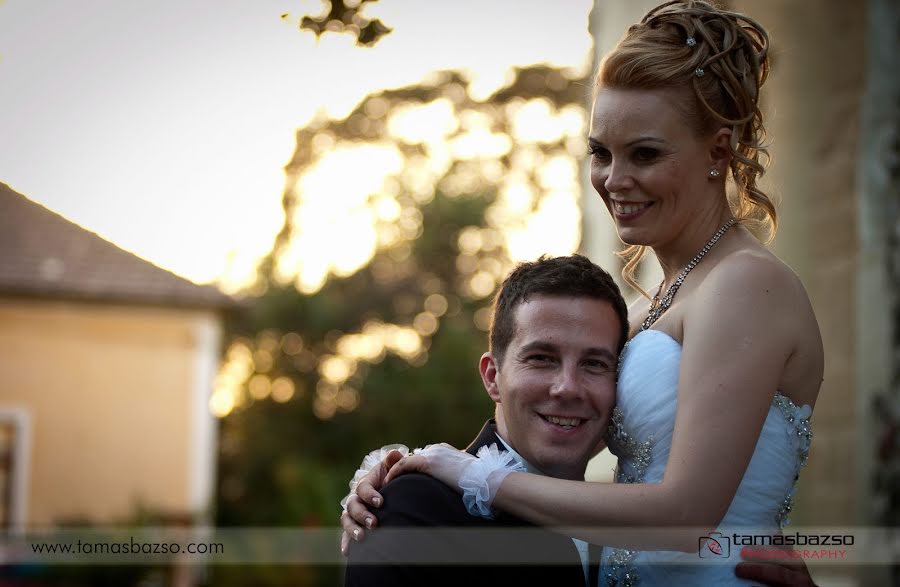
(813, 106)
(112, 397)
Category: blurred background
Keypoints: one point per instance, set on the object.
(244, 243)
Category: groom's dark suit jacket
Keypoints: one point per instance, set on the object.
(428, 507)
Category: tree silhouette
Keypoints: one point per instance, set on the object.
(343, 16)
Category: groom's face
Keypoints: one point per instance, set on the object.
(556, 385)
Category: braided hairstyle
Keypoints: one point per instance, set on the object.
(722, 58)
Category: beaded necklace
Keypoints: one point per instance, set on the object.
(657, 305)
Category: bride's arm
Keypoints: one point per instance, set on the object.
(737, 336)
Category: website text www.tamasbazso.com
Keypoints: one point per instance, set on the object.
(131, 547)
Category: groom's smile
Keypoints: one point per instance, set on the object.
(556, 384)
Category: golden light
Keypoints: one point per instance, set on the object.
(357, 243)
(312, 275)
(282, 389)
(572, 120)
(221, 404)
(364, 346)
(480, 142)
(268, 341)
(324, 409)
(517, 195)
(436, 304)
(492, 170)
(326, 391)
(400, 253)
(262, 360)
(411, 223)
(482, 284)
(279, 103)
(425, 323)
(292, 343)
(491, 239)
(259, 387)
(336, 368)
(421, 173)
(387, 209)
(388, 235)
(419, 360)
(487, 79)
(347, 399)
(403, 341)
(424, 123)
(537, 121)
(238, 364)
(493, 266)
(557, 216)
(337, 216)
(469, 240)
(466, 263)
(239, 351)
(559, 173)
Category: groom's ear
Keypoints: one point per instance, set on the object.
(489, 373)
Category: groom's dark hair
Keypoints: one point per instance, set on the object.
(572, 276)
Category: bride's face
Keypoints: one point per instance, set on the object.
(556, 386)
(650, 167)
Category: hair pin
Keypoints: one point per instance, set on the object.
(699, 72)
(691, 42)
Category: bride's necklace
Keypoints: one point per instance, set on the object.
(659, 306)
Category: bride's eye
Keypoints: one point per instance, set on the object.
(645, 154)
(598, 153)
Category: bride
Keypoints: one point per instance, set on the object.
(724, 362)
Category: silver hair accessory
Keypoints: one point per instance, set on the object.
(714, 173)
(699, 72)
(691, 42)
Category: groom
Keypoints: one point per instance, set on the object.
(558, 327)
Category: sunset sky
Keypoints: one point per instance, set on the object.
(164, 125)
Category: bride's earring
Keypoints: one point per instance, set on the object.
(714, 173)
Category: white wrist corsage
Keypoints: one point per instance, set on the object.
(481, 479)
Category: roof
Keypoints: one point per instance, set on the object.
(44, 255)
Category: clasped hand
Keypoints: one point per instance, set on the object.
(441, 461)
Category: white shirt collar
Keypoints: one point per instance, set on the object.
(529, 468)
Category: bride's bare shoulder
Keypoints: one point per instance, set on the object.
(757, 270)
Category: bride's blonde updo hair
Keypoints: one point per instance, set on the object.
(721, 57)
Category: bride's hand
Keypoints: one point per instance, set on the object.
(441, 461)
(364, 495)
(477, 479)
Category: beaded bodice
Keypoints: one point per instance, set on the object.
(640, 435)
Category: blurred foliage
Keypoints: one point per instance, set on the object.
(346, 16)
(287, 460)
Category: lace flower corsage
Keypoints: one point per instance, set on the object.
(481, 479)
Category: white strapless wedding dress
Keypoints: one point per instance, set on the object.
(640, 436)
